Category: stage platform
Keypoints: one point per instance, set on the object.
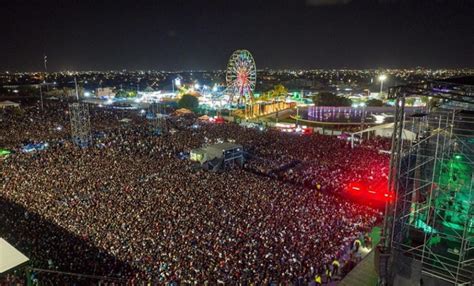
(364, 273)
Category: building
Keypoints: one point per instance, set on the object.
(104, 91)
(8, 103)
(218, 156)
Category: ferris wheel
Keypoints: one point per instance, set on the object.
(241, 76)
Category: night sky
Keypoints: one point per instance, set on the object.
(182, 35)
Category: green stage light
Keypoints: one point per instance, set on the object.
(452, 200)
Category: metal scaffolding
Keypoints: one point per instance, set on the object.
(80, 124)
(432, 177)
(158, 118)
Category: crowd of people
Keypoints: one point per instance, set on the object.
(129, 207)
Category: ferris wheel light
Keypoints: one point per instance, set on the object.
(241, 75)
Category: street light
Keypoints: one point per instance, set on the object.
(382, 78)
(176, 82)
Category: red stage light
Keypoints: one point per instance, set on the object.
(373, 191)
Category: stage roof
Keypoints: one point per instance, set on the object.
(215, 151)
(465, 80)
(8, 103)
(451, 89)
(10, 257)
(407, 134)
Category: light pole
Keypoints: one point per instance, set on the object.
(41, 98)
(176, 82)
(77, 92)
(297, 114)
(382, 78)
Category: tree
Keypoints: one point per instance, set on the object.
(189, 102)
(410, 101)
(278, 91)
(330, 99)
(121, 94)
(374, 102)
(430, 102)
(125, 94)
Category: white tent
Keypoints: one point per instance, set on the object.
(8, 103)
(125, 120)
(204, 118)
(384, 130)
(10, 257)
(183, 111)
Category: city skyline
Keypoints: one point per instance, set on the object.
(312, 34)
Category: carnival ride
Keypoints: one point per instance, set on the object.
(241, 77)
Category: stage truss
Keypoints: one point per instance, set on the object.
(432, 220)
(158, 119)
(80, 124)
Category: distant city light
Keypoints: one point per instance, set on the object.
(197, 86)
(177, 82)
(87, 94)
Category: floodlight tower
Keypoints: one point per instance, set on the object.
(45, 59)
(382, 78)
(45, 62)
(80, 124)
(176, 82)
(77, 91)
(158, 117)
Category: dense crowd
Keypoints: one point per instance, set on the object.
(142, 213)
